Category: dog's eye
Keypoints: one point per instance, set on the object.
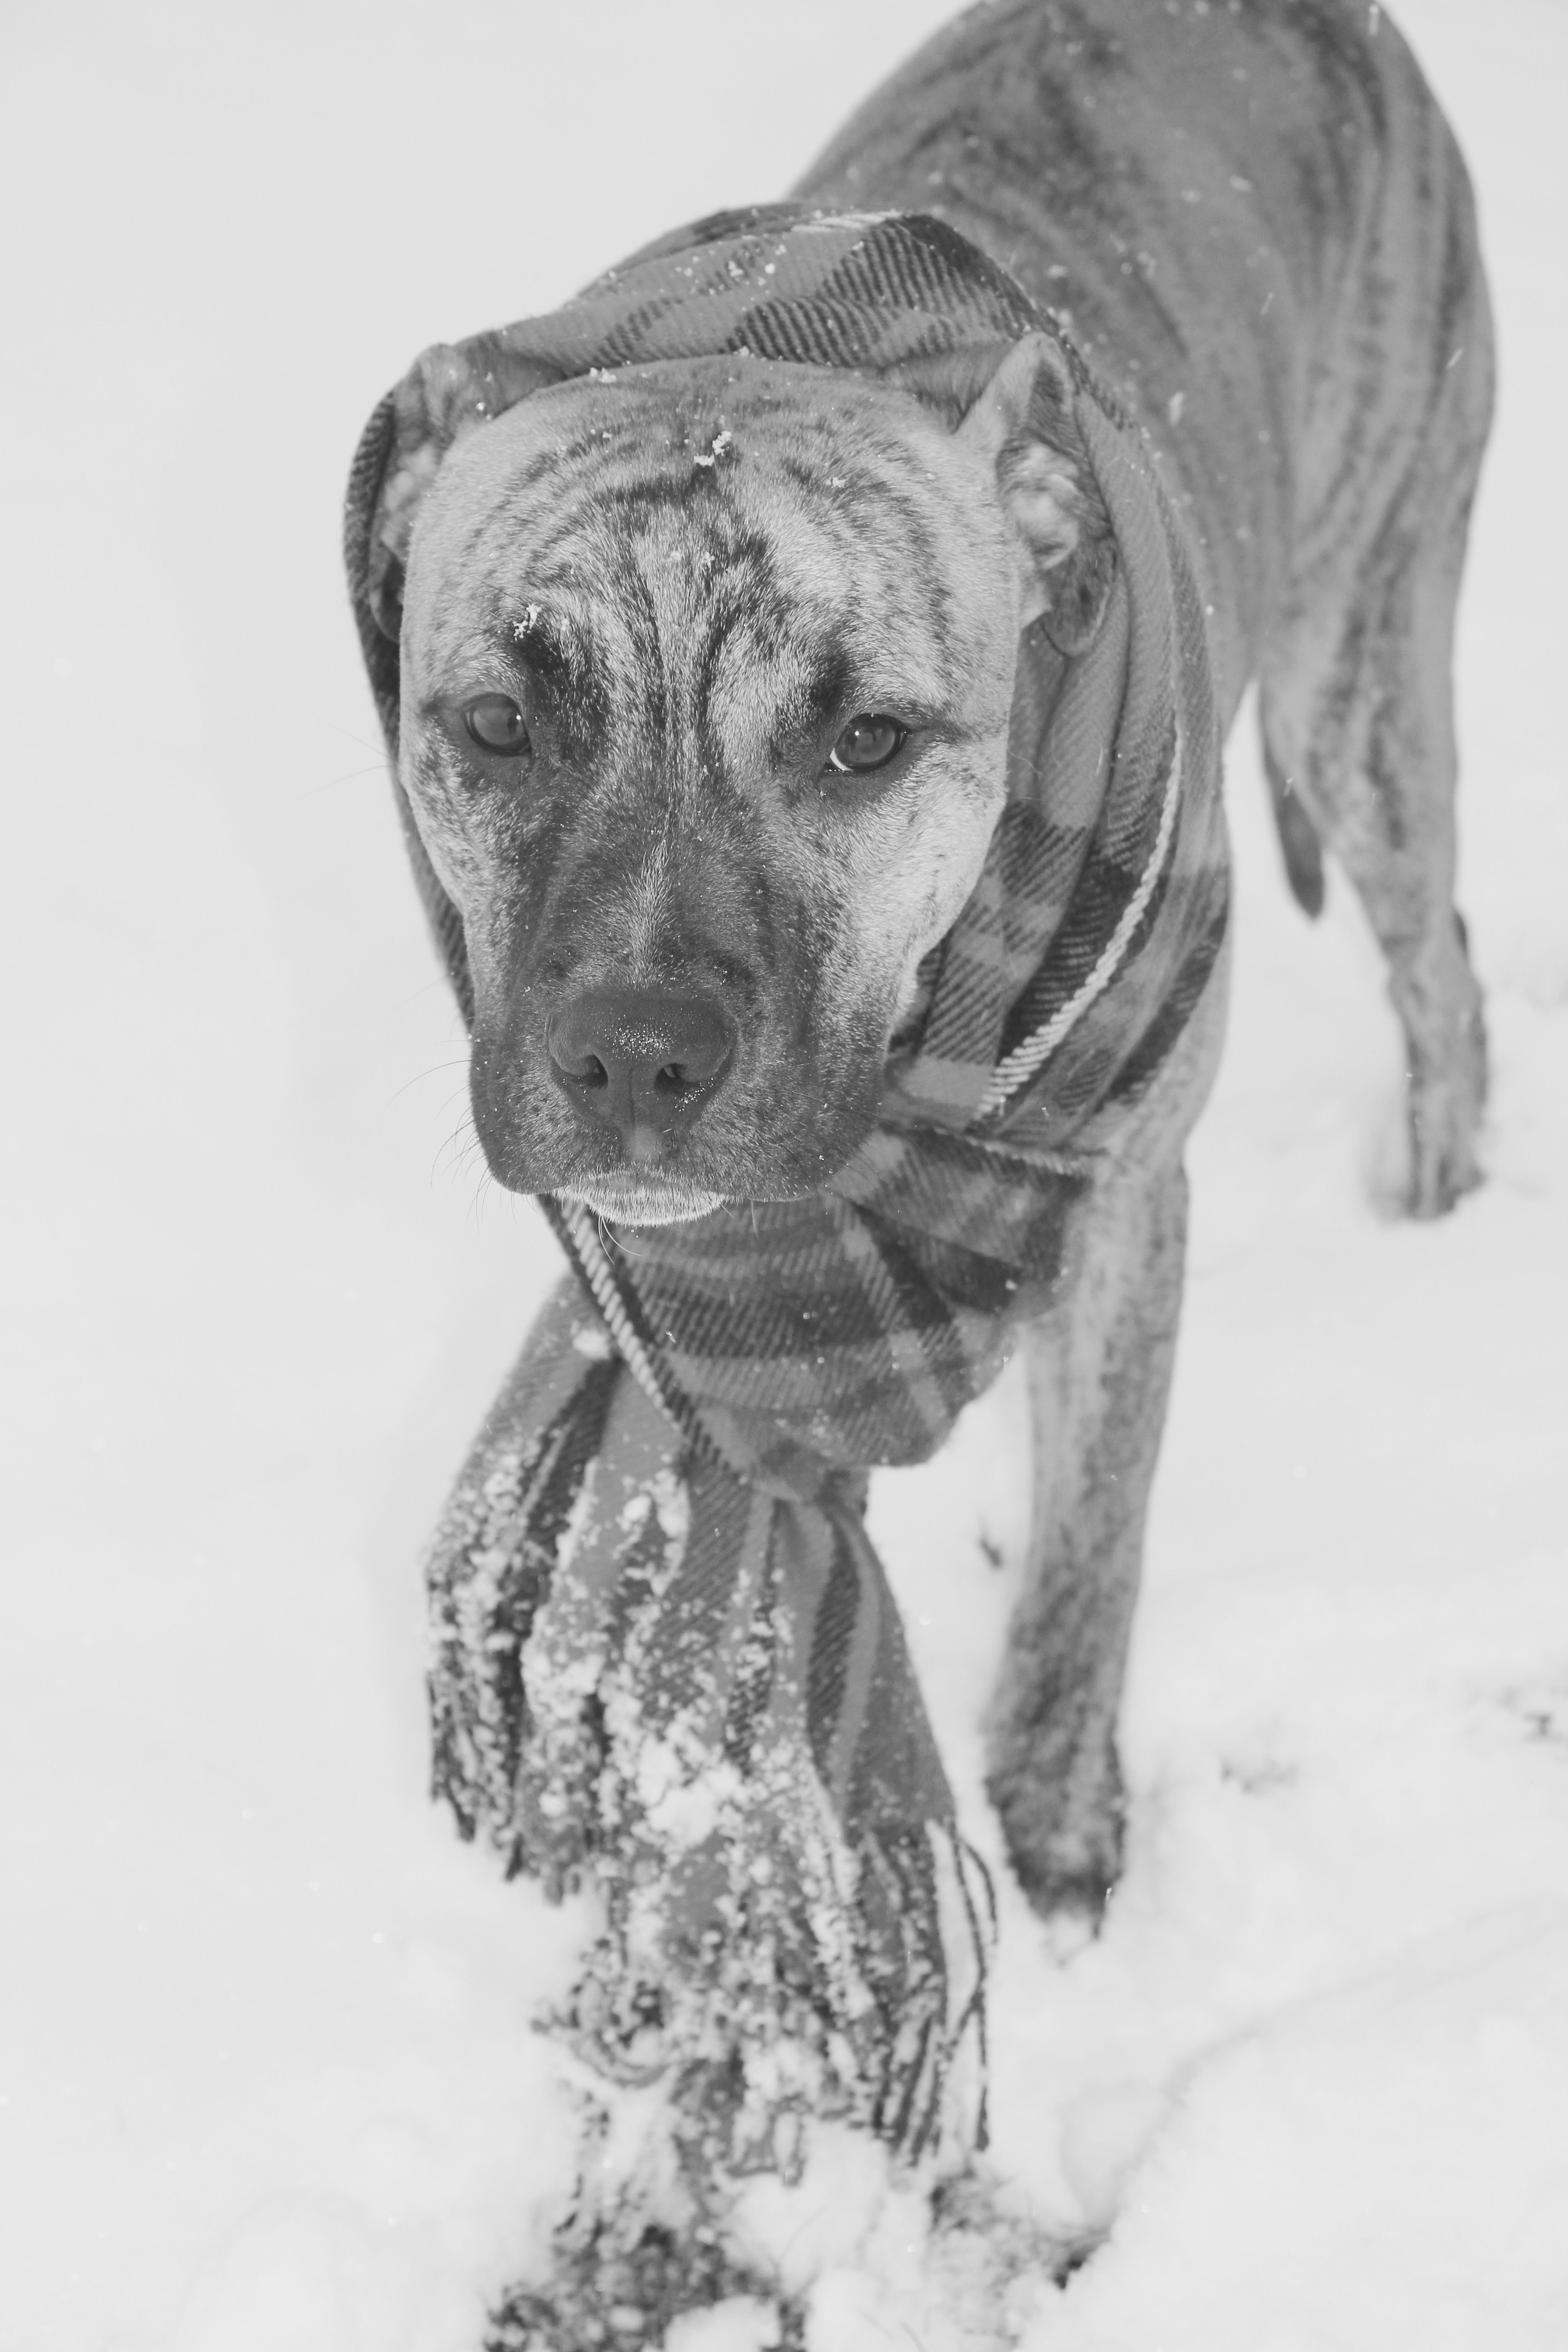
(867, 742)
(496, 724)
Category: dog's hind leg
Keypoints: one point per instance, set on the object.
(1357, 708)
(1099, 1370)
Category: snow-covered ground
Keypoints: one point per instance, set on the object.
(267, 2082)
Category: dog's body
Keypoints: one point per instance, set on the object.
(1255, 220)
(706, 672)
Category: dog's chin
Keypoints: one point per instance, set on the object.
(629, 1198)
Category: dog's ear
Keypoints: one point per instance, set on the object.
(447, 394)
(1023, 423)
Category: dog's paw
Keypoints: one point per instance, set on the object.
(1444, 1166)
(523, 2322)
(654, 2293)
(1070, 1891)
(1064, 1836)
(1445, 1088)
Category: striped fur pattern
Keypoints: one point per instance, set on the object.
(664, 1650)
(688, 631)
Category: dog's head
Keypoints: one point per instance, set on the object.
(706, 675)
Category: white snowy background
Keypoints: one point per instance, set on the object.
(267, 2079)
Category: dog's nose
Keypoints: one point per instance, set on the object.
(642, 1062)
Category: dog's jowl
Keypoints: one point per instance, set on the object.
(804, 658)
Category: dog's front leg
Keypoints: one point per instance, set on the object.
(1100, 1372)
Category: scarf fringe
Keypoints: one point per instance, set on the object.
(766, 1961)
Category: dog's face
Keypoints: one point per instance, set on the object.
(706, 680)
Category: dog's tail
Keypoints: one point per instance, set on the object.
(1303, 852)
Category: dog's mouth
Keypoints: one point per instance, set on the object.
(673, 1185)
(643, 1197)
(651, 1111)
(670, 1186)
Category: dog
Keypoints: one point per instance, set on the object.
(709, 664)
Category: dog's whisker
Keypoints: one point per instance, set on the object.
(458, 1062)
(365, 742)
(347, 776)
(458, 1095)
(436, 980)
(462, 1143)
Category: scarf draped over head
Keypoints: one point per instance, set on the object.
(664, 1652)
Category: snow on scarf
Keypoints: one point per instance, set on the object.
(664, 1649)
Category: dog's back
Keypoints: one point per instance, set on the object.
(1251, 217)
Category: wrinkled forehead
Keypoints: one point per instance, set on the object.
(781, 506)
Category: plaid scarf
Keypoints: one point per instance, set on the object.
(664, 1650)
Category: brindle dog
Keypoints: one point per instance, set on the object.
(706, 810)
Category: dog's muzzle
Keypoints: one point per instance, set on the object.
(641, 1062)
